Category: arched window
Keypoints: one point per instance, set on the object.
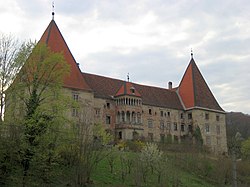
(123, 116)
(133, 118)
(139, 117)
(128, 117)
(118, 117)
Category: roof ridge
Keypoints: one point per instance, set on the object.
(103, 76)
(193, 64)
(49, 27)
(157, 87)
(105, 87)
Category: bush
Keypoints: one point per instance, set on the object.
(121, 145)
(243, 168)
(135, 146)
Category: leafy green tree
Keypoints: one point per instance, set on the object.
(245, 149)
(13, 54)
(198, 137)
(36, 99)
(152, 159)
(112, 158)
(234, 145)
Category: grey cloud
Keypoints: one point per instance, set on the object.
(219, 57)
(156, 65)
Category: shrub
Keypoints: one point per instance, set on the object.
(135, 146)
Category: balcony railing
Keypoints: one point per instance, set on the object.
(128, 125)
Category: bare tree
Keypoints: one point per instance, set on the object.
(90, 144)
(13, 54)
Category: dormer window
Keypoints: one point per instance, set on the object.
(132, 89)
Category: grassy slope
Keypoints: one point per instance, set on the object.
(174, 177)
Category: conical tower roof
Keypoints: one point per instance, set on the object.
(194, 91)
(53, 38)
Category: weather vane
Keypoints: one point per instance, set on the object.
(192, 53)
(128, 77)
(53, 9)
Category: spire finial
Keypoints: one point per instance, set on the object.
(128, 77)
(53, 9)
(192, 53)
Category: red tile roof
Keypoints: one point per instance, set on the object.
(194, 90)
(127, 89)
(105, 87)
(55, 41)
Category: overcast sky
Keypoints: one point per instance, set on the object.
(149, 39)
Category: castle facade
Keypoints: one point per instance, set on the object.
(132, 111)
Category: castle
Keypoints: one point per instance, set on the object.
(132, 111)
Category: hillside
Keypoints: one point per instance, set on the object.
(238, 122)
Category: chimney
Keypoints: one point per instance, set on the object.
(170, 84)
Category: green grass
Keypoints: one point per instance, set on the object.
(173, 176)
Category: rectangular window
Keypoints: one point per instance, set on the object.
(75, 112)
(150, 111)
(175, 126)
(182, 116)
(161, 113)
(162, 125)
(207, 116)
(207, 129)
(168, 114)
(150, 136)
(217, 118)
(190, 116)
(150, 123)
(182, 127)
(190, 128)
(75, 96)
(97, 112)
(108, 105)
(168, 126)
(108, 120)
